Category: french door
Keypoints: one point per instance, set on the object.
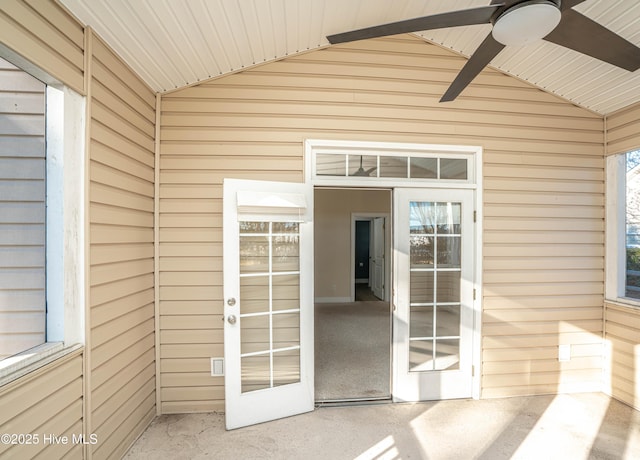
(268, 301)
(433, 294)
(268, 297)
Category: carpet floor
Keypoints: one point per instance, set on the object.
(352, 350)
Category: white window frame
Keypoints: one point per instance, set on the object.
(65, 226)
(615, 232)
(65, 215)
(314, 147)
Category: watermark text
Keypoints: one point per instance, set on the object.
(26, 439)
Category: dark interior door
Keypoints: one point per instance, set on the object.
(363, 233)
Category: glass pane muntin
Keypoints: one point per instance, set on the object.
(396, 166)
(269, 307)
(435, 271)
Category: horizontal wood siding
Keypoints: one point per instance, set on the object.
(122, 358)
(46, 402)
(543, 185)
(622, 338)
(41, 36)
(622, 324)
(43, 32)
(121, 353)
(543, 268)
(623, 130)
(22, 210)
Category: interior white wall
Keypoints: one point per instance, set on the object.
(332, 237)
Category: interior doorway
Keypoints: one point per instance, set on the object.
(369, 256)
(361, 254)
(352, 323)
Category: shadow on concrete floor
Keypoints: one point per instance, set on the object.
(567, 427)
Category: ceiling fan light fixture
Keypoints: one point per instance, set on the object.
(526, 23)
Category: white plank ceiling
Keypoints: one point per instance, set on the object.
(176, 43)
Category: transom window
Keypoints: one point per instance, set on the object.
(333, 162)
(391, 165)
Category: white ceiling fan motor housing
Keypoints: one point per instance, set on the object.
(526, 23)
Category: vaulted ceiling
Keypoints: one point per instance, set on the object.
(176, 43)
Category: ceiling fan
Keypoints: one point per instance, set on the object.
(515, 23)
(361, 172)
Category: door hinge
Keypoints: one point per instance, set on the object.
(475, 216)
(474, 294)
(473, 371)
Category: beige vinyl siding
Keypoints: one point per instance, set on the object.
(623, 130)
(47, 401)
(44, 33)
(543, 271)
(543, 199)
(50, 399)
(120, 394)
(622, 323)
(622, 338)
(22, 210)
(122, 356)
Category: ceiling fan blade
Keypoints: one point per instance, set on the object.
(582, 34)
(481, 15)
(487, 50)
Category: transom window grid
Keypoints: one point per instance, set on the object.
(435, 273)
(397, 166)
(269, 304)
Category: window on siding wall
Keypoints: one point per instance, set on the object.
(41, 218)
(22, 211)
(632, 225)
(623, 227)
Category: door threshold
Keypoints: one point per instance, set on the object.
(353, 402)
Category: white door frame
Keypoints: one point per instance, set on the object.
(355, 216)
(474, 182)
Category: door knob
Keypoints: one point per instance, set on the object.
(232, 319)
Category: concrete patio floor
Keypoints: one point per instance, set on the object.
(567, 427)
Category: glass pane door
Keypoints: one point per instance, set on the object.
(433, 319)
(434, 285)
(268, 301)
(269, 304)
